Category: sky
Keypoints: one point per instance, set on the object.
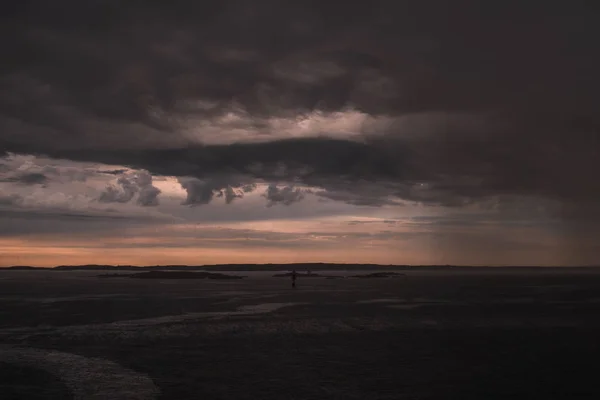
(392, 132)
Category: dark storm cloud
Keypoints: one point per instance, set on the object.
(384, 56)
(197, 191)
(285, 195)
(148, 196)
(231, 194)
(74, 174)
(10, 199)
(16, 221)
(202, 191)
(361, 193)
(283, 159)
(31, 178)
(368, 222)
(122, 192)
(33, 214)
(28, 170)
(113, 82)
(112, 171)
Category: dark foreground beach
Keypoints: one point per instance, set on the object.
(438, 334)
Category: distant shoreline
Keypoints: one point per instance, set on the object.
(289, 267)
(174, 275)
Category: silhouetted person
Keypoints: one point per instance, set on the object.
(294, 278)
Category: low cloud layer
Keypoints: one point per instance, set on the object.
(285, 195)
(33, 178)
(129, 185)
(203, 191)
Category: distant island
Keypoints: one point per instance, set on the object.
(305, 275)
(379, 275)
(173, 275)
(390, 274)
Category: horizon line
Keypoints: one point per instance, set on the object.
(91, 266)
